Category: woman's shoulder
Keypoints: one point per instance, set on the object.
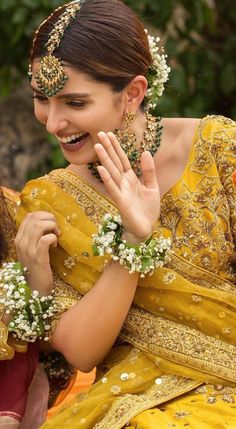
(211, 128)
(214, 124)
(185, 126)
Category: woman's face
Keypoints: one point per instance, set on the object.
(77, 113)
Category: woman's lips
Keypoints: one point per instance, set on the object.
(75, 146)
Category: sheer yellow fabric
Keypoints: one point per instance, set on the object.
(181, 330)
(7, 213)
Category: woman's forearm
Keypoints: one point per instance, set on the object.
(86, 332)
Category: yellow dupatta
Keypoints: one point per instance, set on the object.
(181, 329)
(8, 345)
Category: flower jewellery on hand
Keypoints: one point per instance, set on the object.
(143, 258)
(30, 313)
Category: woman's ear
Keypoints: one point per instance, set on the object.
(135, 92)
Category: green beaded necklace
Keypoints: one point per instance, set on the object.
(151, 142)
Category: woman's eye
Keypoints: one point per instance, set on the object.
(75, 103)
(39, 97)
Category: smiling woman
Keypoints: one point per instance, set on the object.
(160, 327)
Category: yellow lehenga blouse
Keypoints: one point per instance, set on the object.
(174, 363)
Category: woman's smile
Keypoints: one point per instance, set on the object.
(73, 142)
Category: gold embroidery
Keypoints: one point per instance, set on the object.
(179, 343)
(6, 352)
(202, 218)
(87, 197)
(206, 279)
(7, 214)
(214, 392)
(128, 406)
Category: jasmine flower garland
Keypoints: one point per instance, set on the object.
(29, 312)
(157, 73)
(143, 258)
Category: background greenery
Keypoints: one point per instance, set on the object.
(199, 37)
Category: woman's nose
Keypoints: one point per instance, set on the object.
(55, 122)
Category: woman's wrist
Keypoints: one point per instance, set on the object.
(133, 239)
(143, 256)
(30, 314)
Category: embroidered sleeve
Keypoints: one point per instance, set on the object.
(224, 151)
(7, 215)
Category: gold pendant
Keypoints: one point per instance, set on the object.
(50, 76)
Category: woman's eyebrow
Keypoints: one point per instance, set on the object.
(74, 95)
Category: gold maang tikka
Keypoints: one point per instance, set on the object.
(50, 76)
(151, 142)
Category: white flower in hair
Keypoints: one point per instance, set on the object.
(157, 73)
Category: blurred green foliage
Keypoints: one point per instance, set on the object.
(201, 46)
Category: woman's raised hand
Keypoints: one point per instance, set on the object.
(138, 201)
(38, 231)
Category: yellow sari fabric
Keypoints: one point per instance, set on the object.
(8, 345)
(174, 363)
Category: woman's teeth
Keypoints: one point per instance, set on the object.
(72, 139)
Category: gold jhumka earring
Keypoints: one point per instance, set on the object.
(127, 138)
(50, 76)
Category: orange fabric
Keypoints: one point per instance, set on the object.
(82, 383)
(234, 178)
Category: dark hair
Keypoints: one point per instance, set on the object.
(106, 40)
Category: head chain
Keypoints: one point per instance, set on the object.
(50, 76)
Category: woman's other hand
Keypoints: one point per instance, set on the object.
(37, 232)
(138, 201)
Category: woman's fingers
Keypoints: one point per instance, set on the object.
(119, 151)
(33, 231)
(108, 144)
(112, 156)
(148, 170)
(44, 243)
(31, 221)
(107, 163)
(109, 183)
(34, 227)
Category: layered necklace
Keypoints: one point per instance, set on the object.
(151, 141)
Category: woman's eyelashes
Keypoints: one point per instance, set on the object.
(75, 103)
(71, 103)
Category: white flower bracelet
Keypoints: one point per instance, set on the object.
(29, 312)
(143, 258)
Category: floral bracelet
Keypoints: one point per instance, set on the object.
(29, 312)
(143, 258)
